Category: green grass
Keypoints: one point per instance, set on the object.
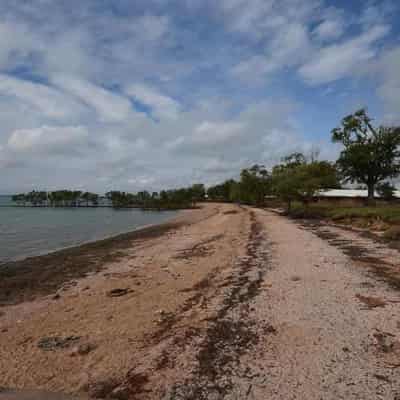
(386, 213)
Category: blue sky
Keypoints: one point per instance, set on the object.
(129, 95)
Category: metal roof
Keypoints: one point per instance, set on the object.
(350, 193)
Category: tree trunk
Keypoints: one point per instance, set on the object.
(289, 206)
(371, 192)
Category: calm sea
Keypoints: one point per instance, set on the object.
(26, 232)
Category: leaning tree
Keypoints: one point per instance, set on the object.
(370, 154)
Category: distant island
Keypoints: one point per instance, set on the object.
(164, 200)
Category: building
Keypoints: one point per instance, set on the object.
(348, 195)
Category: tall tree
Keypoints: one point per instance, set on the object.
(296, 179)
(254, 184)
(370, 154)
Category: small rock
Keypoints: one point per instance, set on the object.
(56, 296)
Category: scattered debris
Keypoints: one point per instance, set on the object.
(371, 302)
(83, 349)
(118, 292)
(230, 212)
(50, 343)
(229, 333)
(382, 378)
(268, 328)
(201, 249)
(164, 317)
(102, 389)
(25, 341)
(384, 341)
(367, 285)
(121, 393)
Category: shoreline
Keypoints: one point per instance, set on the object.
(44, 274)
(86, 242)
(82, 317)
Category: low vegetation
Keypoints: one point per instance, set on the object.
(381, 217)
(385, 213)
(164, 200)
(58, 198)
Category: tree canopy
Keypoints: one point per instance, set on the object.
(297, 179)
(370, 154)
(253, 186)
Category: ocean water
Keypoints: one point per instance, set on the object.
(26, 231)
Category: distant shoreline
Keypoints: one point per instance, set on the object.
(102, 206)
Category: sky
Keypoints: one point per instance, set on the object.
(129, 95)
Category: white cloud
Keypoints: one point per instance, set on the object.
(262, 18)
(329, 29)
(16, 43)
(289, 47)
(68, 53)
(340, 60)
(253, 69)
(240, 138)
(150, 28)
(389, 89)
(110, 107)
(142, 181)
(48, 139)
(162, 106)
(211, 133)
(46, 100)
(244, 15)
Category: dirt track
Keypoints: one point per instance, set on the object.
(241, 304)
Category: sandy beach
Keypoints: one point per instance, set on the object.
(224, 302)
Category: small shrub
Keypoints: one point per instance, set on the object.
(392, 233)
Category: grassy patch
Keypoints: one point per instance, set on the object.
(386, 213)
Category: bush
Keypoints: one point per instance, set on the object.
(386, 191)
